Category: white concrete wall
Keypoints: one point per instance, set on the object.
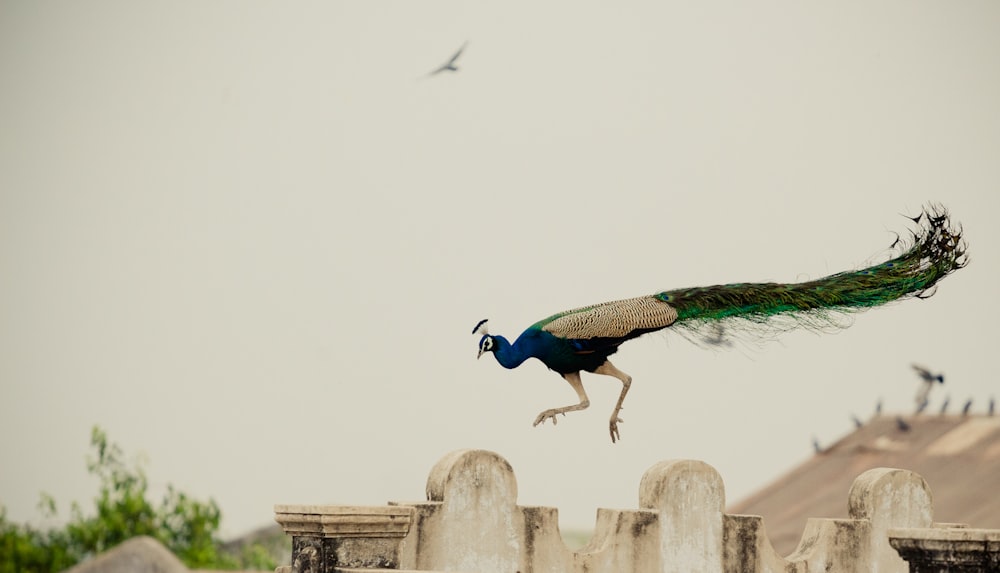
(471, 523)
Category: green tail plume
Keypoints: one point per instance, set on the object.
(936, 249)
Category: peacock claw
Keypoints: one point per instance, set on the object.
(615, 435)
(546, 415)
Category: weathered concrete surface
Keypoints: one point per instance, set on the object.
(137, 555)
(958, 550)
(889, 498)
(343, 520)
(325, 537)
(471, 522)
(688, 498)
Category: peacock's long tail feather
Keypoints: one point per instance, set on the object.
(935, 250)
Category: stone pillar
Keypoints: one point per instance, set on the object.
(889, 499)
(471, 521)
(954, 550)
(327, 537)
(689, 499)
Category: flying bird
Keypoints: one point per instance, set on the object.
(450, 66)
(718, 337)
(926, 375)
(927, 379)
(582, 339)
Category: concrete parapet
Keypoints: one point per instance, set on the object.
(471, 522)
(324, 537)
(959, 550)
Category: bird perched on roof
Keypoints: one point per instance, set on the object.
(450, 66)
(582, 339)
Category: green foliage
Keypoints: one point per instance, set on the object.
(24, 548)
(186, 526)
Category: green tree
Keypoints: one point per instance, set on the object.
(24, 548)
(186, 526)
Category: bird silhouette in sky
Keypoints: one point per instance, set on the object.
(450, 66)
(927, 380)
(718, 337)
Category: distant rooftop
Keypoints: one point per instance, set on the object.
(958, 456)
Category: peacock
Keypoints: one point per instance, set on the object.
(582, 339)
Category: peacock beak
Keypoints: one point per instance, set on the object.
(480, 353)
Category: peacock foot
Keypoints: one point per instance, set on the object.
(614, 428)
(551, 413)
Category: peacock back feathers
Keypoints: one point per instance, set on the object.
(617, 319)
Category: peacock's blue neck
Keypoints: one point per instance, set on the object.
(507, 354)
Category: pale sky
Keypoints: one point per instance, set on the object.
(250, 240)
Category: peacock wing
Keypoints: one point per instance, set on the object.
(620, 319)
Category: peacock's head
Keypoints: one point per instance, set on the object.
(486, 343)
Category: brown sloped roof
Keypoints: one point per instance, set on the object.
(140, 554)
(958, 456)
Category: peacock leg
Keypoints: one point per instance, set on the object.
(574, 380)
(608, 369)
